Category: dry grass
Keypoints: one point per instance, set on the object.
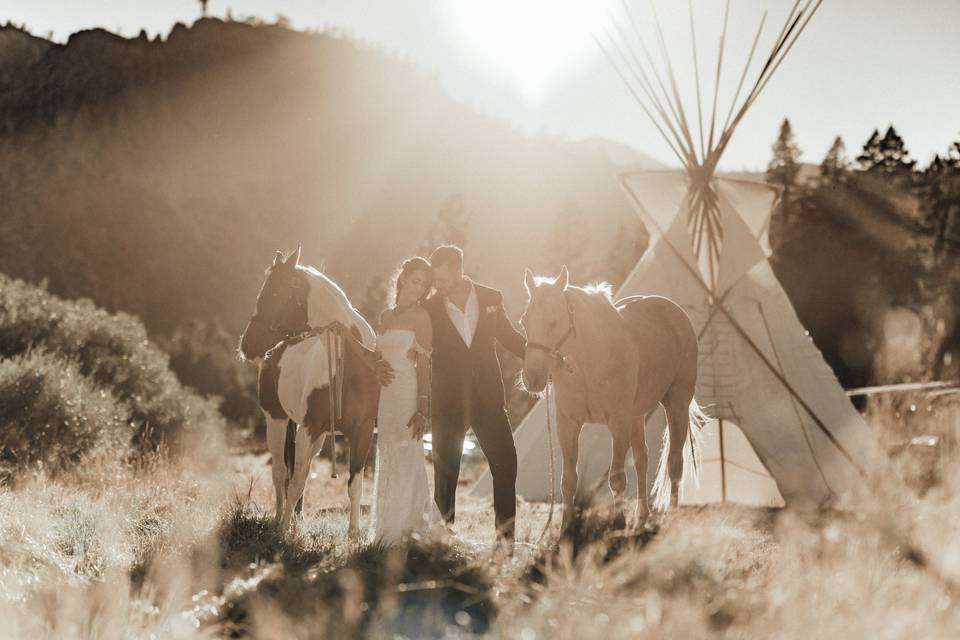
(188, 549)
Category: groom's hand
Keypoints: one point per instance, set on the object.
(384, 371)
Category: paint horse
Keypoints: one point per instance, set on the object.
(287, 338)
(613, 364)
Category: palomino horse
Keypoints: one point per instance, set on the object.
(613, 364)
(285, 338)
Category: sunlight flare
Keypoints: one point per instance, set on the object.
(528, 44)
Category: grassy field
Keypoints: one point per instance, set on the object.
(185, 549)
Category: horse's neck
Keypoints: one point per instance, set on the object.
(324, 307)
(598, 330)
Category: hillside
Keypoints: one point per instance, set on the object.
(157, 177)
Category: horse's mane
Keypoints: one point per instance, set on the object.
(340, 298)
(604, 289)
(598, 295)
(332, 286)
(595, 289)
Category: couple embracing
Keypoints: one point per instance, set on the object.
(441, 373)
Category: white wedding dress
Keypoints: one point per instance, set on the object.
(403, 503)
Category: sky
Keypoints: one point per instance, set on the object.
(860, 65)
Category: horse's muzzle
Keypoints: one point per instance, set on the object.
(533, 382)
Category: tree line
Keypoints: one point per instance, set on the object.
(867, 247)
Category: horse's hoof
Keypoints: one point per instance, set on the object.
(503, 547)
(643, 517)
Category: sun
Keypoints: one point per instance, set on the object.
(528, 44)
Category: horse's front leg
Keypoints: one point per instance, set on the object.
(355, 491)
(638, 442)
(305, 449)
(359, 450)
(276, 438)
(568, 433)
(620, 430)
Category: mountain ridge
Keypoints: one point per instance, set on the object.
(158, 176)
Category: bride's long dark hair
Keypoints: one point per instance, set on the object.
(408, 268)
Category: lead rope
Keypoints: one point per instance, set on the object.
(340, 375)
(553, 472)
(334, 390)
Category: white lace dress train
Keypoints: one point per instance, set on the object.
(403, 503)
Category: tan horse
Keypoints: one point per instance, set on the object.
(613, 364)
(294, 379)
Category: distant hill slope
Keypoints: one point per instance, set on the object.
(157, 177)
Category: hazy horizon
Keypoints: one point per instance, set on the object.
(884, 66)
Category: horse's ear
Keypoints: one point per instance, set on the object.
(294, 258)
(563, 279)
(529, 281)
(278, 259)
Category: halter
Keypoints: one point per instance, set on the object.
(554, 352)
(275, 325)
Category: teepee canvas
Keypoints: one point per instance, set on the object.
(784, 430)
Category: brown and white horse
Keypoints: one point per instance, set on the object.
(282, 338)
(613, 364)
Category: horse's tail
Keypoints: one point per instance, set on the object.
(692, 459)
(693, 455)
(290, 449)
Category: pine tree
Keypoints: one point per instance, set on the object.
(785, 166)
(870, 155)
(450, 226)
(888, 156)
(782, 172)
(625, 252)
(374, 299)
(953, 156)
(940, 198)
(568, 239)
(896, 158)
(835, 167)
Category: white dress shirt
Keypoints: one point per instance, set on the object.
(465, 320)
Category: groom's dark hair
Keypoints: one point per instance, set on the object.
(447, 255)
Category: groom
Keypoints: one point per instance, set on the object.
(467, 385)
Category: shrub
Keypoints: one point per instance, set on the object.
(424, 587)
(113, 352)
(51, 415)
(28, 316)
(204, 356)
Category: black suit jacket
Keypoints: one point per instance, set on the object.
(466, 378)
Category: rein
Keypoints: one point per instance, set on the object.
(335, 336)
(334, 387)
(552, 464)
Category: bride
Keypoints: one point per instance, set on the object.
(403, 502)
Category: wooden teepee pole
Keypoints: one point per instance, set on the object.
(656, 123)
(716, 84)
(696, 79)
(624, 49)
(723, 464)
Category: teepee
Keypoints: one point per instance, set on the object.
(784, 430)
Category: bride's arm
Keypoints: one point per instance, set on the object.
(423, 343)
(382, 368)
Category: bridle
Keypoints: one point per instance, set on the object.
(276, 326)
(554, 351)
